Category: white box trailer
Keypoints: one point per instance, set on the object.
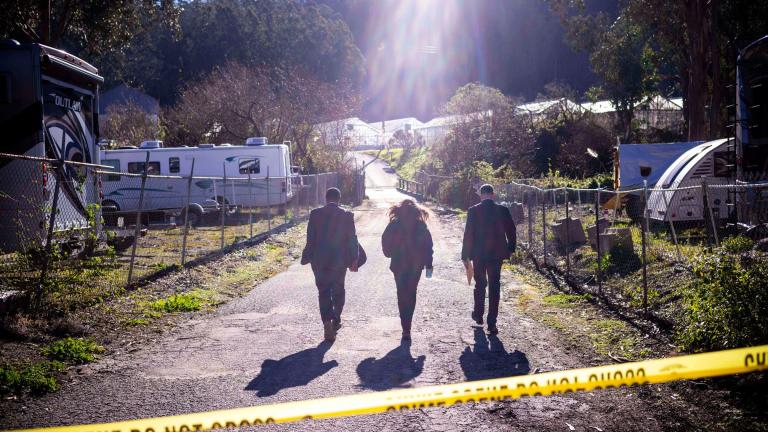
(255, 158)
(48, 108)
(678, 194)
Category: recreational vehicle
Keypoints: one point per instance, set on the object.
(267, 165)
(48, 108)
(678, 194)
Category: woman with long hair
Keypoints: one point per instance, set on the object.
(408, 242)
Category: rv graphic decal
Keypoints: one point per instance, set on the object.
(204, 184)
(120, 191)
(67, 122)
(67, 103)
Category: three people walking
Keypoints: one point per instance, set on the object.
(332, 248)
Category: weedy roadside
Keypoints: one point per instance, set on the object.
(37, 352)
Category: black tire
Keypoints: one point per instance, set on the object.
(195, 214)
(224, 204)
(109, 211)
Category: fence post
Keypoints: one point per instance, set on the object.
(252, 203)
(48, 239)
(362, 187)
(284, 192)
(578, 191)
(554, 201)
(137, 229)
(597, 238)
(644, 228)
(269, 205)
(544, 224)
(223, 204)
(567, 235)
(708, 208)
(186, 215)
(530, 219)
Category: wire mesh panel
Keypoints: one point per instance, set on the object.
(626, 246)
(150, 210)
(25, 209)
(74, 232)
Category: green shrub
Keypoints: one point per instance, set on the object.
(178, 303)
(36, 378)
(455, 193)
(71, 350)
(737, 245)
(726, 304)
(634, 293)
(603, 265)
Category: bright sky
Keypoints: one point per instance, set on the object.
(414, 53)
(420, 51)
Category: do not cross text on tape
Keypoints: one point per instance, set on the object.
(713, 364)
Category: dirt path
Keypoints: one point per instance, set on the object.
(265, 348)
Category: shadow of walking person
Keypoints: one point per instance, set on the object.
(489, 359)
(292, 371)
(396, 368)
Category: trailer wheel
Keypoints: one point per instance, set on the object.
(195, 214)
(109, 211)
(224, 204)
(89, 245)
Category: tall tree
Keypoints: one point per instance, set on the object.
(694, 44)
(85, 27)
(255, 33)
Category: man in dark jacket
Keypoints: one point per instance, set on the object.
(331, 249)
(489, 238)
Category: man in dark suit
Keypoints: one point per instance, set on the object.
(489, 239)
(331, 249)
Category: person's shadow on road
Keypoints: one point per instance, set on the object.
(292, 371)
(489, 359)
(396, 368)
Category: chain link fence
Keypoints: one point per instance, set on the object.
(74, 232)
(625, 246)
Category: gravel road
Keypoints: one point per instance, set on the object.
(266, 348)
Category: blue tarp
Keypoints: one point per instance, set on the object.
(657, 156)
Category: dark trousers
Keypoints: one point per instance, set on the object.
(330, 292)
(487, 274)
(406, 281)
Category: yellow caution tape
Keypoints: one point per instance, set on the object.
(706, 365)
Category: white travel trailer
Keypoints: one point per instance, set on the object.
(708, 162)
(256, 158)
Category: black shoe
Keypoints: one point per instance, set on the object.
(478, 318)
(493, 330)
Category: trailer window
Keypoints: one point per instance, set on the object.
(249, 166)
(138, 168)
(174, 165)
(115, 164)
